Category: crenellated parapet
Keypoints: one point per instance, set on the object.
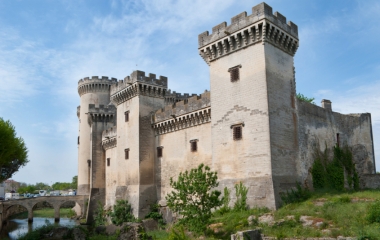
(173, 97)
(101, 113)
(138, 84)
(95, 84)
(262, 26)
(109, 139)
(195, 111)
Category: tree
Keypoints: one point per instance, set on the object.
(13, 151)
(303, 98)
(122, 212)
(74, 183)
(193, 198)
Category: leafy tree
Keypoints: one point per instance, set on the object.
(303, 98)
(122, 212)
(74, 183)
(41, 186)
(241, 192)
(13, 151)
(193, 198)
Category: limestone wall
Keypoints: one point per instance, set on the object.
(282, 118)
(242, 102)
(178, 157)
(318, 127)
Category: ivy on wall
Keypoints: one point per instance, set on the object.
(330, 173)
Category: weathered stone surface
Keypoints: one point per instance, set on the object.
(150, 224)
(306, 221)
(247, 235)
(267, 219)
(112, 229)
(130, 231)
(78, 234)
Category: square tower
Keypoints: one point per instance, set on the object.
(254, 121)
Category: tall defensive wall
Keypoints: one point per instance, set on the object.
(253, 102)
(96, 91)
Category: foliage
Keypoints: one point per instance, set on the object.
(329, 173)
(38, 233)
(241, 197)
(13, 151)
(225, 201)
(122, 212)
(193, 198)
(156, 215)
(298, 195)
(100, 215)
(66, 185)
(373, 214)
(178, 233)
(303, 98)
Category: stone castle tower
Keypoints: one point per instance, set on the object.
(253, 92)
(135, 134)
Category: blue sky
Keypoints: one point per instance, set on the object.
(47, 46)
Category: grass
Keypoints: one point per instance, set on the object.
(47, 213)
(340, 214)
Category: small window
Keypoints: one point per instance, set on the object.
(193, 145)
(108, 162)
(234, 73)
(126, 153)
(89, 163)
(126, 115)
(337, 139)
(159, 151)
(78, 140)
(237, 132)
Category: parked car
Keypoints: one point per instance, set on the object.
(36, 195)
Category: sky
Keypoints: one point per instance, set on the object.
(47, 46)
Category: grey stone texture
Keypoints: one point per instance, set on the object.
(279, 132)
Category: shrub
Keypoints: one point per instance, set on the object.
(100, 215)
(241, 197)
(373, 213)
(298, 195)
(193, 198)
(303, 98)
(122, 212)
(156, 215)
(225, 201)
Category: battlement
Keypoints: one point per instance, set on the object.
(109, 133)
(101, 109)
(242, 21)
(95, 84)
(173, 97)
(189, 105)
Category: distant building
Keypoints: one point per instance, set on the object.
(11, 185)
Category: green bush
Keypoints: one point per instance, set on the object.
(241, 197)
(100, 215)
(122, 212)
(294, 196)
(373, 212)
(303, 98)
(225, 201)
(156, 215)
(193, 197)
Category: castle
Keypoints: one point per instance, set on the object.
(135, 134)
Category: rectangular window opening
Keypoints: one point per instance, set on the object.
(108, 162)
(234, 73)
(126, 153)
(126, 115)
(337, 139)
(159, 152)
(237, 132)
(194, 146)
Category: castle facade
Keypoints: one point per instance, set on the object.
(135, 134)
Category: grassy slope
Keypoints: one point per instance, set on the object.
(343, 214)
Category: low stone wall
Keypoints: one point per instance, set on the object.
(371, 181)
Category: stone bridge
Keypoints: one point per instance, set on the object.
(55, 201)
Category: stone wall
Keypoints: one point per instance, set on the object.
(318, 128)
